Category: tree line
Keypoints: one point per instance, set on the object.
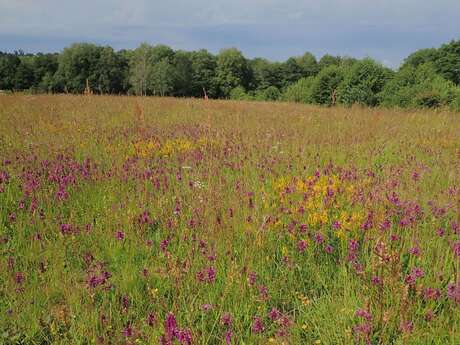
(427, 78)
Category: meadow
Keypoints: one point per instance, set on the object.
(129, 220)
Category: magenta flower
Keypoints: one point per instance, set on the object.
(364, 314)
(456, 249)
(415, 251)
(319, 238)
(453, 292)
(274, 314)
(376, 281)
(19, 278)
(128, 331)
(329, 249)
(151, 319)
(120, 235)
(302, 245)
(206, 307)
(226, 319)
(228, 337)
(431, 294)
(257, 325)
(440, 232)
(252, 278)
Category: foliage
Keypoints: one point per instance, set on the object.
(232, 70)
(363, 82)
(417, 87)
(161, 70)
(324, 88)
(300, 92)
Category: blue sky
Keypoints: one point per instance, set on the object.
(276, 29)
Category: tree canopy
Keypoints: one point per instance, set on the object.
(427, 78)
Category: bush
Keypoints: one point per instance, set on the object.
(455, 103)
(299, 92)
(323, 90)
(239, 93)
(363, 82)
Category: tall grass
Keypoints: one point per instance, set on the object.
(157, 220)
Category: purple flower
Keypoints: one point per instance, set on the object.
(455, 228)
(456, 249)
(151, 319)
(319, 238)
(329, 249)
(206, 307)
(302, 245)
(66, 229)
(19, 278)
(211, 271)
(226, 319)
(407, 326)
(257, 325)
(453, 292)
(170, 326)
(228, 337)
(252, 278)
(184, 336)
(120, 235)
(415, 251)
(431, 293)
(376, 280)
(128, 331)
(440, 232)
(274, 314)
(417, 272)
(364, 314)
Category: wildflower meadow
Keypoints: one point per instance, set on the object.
(130, 220)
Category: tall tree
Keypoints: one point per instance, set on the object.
(232, 71)
(162, 82)
(77, 64)
(141, 68)
(204, 66)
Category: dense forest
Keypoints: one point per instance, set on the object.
(426, 78)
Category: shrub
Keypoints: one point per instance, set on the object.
(325, 85)
(239, 93)
(363, 82)
(300, 91)
(418, 87)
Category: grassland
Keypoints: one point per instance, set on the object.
(165, 221)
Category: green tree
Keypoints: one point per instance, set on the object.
(111, 71)
(182, 73)
(448, 62)
(162, 81)
(78, 63)
(8, 66)
(232, 70)
(418, 87)
(324, 88)
(299, 92)
(329, 60)
(308, 65)
(420, 57)
(141, 69)
(363, 82)
(265, 74)
(203, 73)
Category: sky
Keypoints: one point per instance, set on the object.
(387, 30)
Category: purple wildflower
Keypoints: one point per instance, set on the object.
(257, 325)
(226, 319)
(120, 235)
